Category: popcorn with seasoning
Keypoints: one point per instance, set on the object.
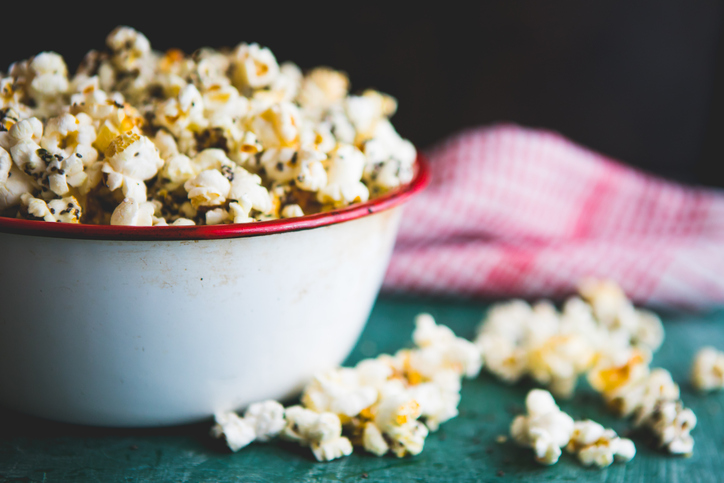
(66, 210)
(132, 123)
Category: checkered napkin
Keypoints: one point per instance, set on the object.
(513, 212)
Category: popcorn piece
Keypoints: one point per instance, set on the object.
(615, 311)
(68, 134)
(261, 422)
(218, 216)
(292, 211)
(65, 210)
(183, 222)
(593, 444)
(277, 126)
(545, 428)
(707, 372)
(503, 357)
(129, 47)
(208, 188)
(247, 189)
(518, 339)
(396, 417)
(373, 440)
(389, 157)
(641, 397)
(322, 432)
(176, 171)
(344, 172)
(338, 391)
(670, 422)
(182, 115)
(239, 432)
(49, 82)
(132, 213)
(253, 66)
(323, 87)
(15, 185)
(310, 174)
(438, 399)
(559, 361)
(6, 163)
(267, 418)
(367, 110)
(439, 342)
(609, 375)
(131, 159)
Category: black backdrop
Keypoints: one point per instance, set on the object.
(638, 80)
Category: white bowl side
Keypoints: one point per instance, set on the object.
(151, 333)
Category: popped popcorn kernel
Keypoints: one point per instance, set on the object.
(595, 445)
(132, 213)
(544, 428)
(239, 432)
(321, 431)
(671, 423)
(707, 372)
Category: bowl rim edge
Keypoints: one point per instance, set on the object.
(389, 200)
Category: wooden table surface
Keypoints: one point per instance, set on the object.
(464, 449)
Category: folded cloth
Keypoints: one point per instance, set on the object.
(514, 212)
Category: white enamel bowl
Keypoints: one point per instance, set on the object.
(152, 326)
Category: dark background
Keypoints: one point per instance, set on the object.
(641, 81)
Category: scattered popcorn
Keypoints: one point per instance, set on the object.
(707, 373)
(339, 391)
(386, 404)
(267, 418)
(373, 440)
(605, 337)
(261, 422)
(595, 445)
(670, 422)
(321, 431)
(238, 432)
(166, 128)
(517, 339)
(396, 417)
(390, 403)
(617, 313)
(545, 428)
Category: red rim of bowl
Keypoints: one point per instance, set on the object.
(206, 232)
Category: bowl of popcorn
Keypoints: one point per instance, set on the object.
(184, 235)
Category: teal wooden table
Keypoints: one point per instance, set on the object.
(465, 449)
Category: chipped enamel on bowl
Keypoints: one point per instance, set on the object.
(154, 326)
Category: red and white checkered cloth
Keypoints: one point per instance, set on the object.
(513, 212)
